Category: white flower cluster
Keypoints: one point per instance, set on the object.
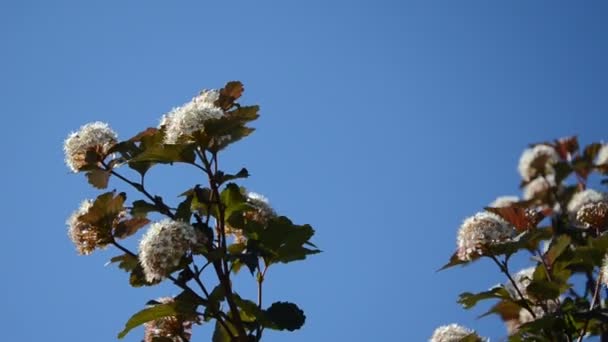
(452, 333)
(262, 213)
(602, 155)
(95, 135)
(536, 160)
(163, 245)
(169, 328)
(587, 196)
(82, 233)
(504, 201)
(479, 231)
(191, 117)
(522, 278)
(526, 317)
(86, 236)
(604, 271)
(539, 187)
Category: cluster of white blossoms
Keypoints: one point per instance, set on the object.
(536, 161)
(585, 197)
(593, 215)
(96, 136)
(261, 213)
(453, 333)
(602, 155)
(163, 246)
(522, 278)
(504, 201)
(604, 271)
(191, 117)
(479, 231)
(85, 236)
(169, 328)
(538, 187)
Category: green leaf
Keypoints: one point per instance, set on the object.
(543, 289)
(125, 262)
(250, 310)
(220, 334)
(454, 261)
(141, 208)
(285, 316)
(222, 178)
(557, 247)
(98, 178)
(167, 154)
(183, 212)
(469, 300)
(147, 315)
(506, 309)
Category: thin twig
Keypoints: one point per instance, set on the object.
(504, 269)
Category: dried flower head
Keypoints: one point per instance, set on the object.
(539, 188)
(191, 117)
(170, 328)
(480, 231)
(602, 155)
(585, 197)
(522, 278)
(537, 161)
(261, 213)
(86, 236)
(95, 136)
(163, 246)
(504, 201)
(593, 215)
(453, 333)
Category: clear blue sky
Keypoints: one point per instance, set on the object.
(384, 124)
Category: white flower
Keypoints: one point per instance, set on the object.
(536, 160)
(168, 328)
(479, 231)
(452, 333)
(602, 155)
(163, 245)
(192, 116)
(539, 187)
(504, 201)
(585, 197)
(522, 278)
(526, 317)
(262, 213)
(87, 237)
(96, 135)
(604, 270)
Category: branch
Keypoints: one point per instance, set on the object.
(504, 269)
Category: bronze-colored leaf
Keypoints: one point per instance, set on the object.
(521, 218)
(98, 178)
(129, 227)
(230, 93)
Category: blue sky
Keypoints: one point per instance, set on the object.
(384, 124)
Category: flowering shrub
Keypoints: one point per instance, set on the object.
(217, 228)
(558, 297)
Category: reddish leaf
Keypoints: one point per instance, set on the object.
(148, 132)
(230, 93)
(566, 146)
(129, 227)
(98, 178)
(521, 218)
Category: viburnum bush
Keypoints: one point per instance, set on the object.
(216, 228)
(561, 223)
